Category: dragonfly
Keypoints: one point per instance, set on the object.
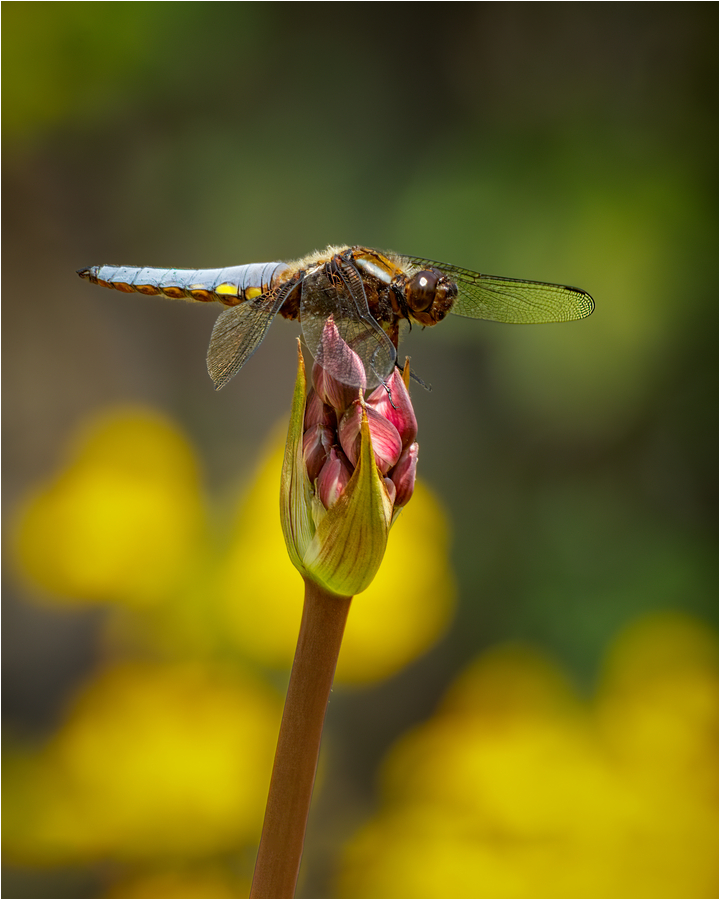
(370, 296)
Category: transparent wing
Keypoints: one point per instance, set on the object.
(512, 299)
(337, 290)
(238, 333)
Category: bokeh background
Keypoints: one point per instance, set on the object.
(526, 700)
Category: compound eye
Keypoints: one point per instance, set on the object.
(420, 293)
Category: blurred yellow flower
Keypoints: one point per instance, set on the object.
(405, 610)
(151, 762)
(121, 520)
(518, 789)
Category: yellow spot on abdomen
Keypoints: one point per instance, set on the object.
(227, 289)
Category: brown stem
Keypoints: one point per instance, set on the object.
(321, 631)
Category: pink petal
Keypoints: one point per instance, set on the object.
(396, 406)
(333, 478)
(403, 475)
(386, 441)
(334, 391)
(391, 489)
(317, 441)
(319, 413)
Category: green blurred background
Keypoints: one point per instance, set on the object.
(573, 143)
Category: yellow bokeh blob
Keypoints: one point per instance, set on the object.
(151, 762)
(516, 788)
(122, 518)
(403, 612)
(191, 882)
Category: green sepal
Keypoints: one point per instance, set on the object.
(296, 493)
(349, 544)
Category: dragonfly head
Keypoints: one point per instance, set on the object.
(429, 296)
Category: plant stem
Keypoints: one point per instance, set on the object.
(281, 845)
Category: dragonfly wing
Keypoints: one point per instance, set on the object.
(512, 299)
(238, 333)
(336, 290)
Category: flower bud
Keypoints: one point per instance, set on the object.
(337, 505)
